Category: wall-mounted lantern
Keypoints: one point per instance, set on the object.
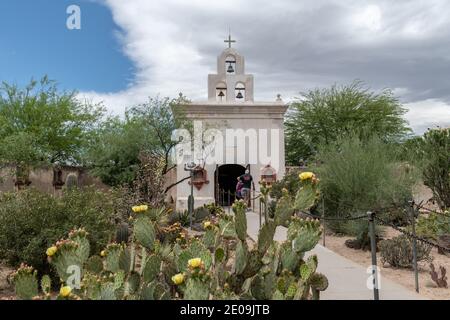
(268, 174)
(199, 177)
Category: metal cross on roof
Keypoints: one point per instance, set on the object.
(229, 41)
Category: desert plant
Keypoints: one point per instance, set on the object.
(440, 280)
(323, 115)
(219, 264)
(431, 152)
(359, 176)
(399, 254)
(359, 229)
(289, 182)
(214, 209)
(434, 225)
(30, 221)
(122, 233)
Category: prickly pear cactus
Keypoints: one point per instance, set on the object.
(194, 250)
(152, 268)
(223, 263)
(241, 257)
(284, 211)
(46, 284)
(25, 282)
(112, 257)
(144, 231)
(240, 219)
(318, 283)
(308, 194)
(196, 289)
(290, 259)
(66, 258)
(305, 234)
(265, 236)
(83, 247)
(94, 265)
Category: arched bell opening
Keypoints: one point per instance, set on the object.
(239, 92)
(221, 92)
(230, 65)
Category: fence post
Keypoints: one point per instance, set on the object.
(253, 199)
(229, 201)
(373, 251)
(323, 220)
(265, 211)
(414, 244)
(260, 212)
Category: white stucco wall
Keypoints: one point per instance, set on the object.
(248, 116)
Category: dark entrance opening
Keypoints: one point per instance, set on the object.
(226, 180)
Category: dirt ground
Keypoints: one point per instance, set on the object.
(404, 277)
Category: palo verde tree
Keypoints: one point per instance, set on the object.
(323, 115)
(41, 125)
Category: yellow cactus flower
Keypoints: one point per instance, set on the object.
(65, 291)
(206, 224)
(178, 278)
(51, 251)
(103, 253)
(141, 208)
(195, 262)
(306, 176)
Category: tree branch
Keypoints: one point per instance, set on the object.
(176, 183)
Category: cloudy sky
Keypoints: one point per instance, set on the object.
(138, 48)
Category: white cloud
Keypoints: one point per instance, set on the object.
(290, 46)
(428, 114)
(369, 17)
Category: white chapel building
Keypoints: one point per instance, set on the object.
(247, 135)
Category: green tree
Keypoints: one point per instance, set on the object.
(323, 115)
(41, 125)
(147, 128)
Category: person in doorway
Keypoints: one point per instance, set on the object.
(239, 190)
(246, 180)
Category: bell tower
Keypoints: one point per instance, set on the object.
(230, 85)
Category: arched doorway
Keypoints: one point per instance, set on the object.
(226, 180)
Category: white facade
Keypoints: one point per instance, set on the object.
(261, 123)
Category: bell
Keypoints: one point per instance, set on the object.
(239, 95)
(221, 94)
(230, 68)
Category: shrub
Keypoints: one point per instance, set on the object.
(290, 182)
(434, 225)
(360, 176)
(30, 221)
(183, 217)
(399, 254)
(359, 229)
(432, 154)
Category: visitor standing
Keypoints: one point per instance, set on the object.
(246, 180)
(239, 186)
